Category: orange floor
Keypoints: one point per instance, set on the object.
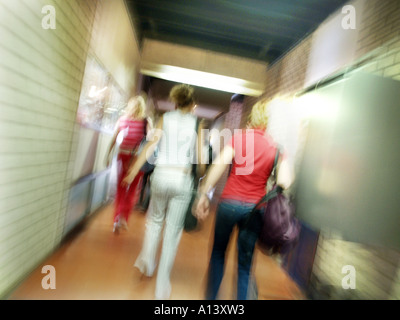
(96, 264)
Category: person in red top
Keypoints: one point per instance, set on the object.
(130, 130)
(251, 153)
(254, 157)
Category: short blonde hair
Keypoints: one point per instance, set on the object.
(258, 117)
(137, 107)
(182, 95)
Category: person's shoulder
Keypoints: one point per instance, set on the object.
(122, 120)
(269, 139)
(270, 145)
(169, 113)
(194, 118)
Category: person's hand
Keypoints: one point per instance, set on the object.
(128, 179)
(202, 207)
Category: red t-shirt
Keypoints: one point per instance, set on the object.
(254, 158)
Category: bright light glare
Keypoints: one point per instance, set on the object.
(94, 92)
(314, 105)
(203, 79)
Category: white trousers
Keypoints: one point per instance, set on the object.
(170, 197)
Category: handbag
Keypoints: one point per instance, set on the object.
(191, 222)
(280, 228)
(149, 164)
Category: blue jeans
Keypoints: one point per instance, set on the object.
(229, 214)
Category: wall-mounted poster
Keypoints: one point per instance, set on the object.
(102, 100)
(114, 107)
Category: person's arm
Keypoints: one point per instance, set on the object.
(214, 173)
(112, 144)
(149, 124)
(285, 172)
(141, 159)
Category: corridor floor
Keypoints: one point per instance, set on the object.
(95, 264)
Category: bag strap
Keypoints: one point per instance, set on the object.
(271, 194)
(273, 171)
(194, 165)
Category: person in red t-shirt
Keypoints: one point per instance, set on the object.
(130, 130)
(251, 153)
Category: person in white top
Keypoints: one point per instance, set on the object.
(171, 185)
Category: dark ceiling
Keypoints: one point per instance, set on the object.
(257, 29)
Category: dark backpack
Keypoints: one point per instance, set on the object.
(280, 229)
(148, 166)
(210, 156)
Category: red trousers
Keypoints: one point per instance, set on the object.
(125, 196)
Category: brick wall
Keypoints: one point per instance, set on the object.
(40, 80)
(380, 24)
(376, 270)
(248, 103)
(234, 116)
(287, 75)
(379, 38)
(385, 60)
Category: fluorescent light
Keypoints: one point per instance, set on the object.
(202, 79)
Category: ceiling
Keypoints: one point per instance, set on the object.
(257, 29)
(261, 30)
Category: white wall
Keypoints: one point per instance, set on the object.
(40, 80)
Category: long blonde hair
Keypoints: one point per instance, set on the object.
(136, 107)
(258, 117)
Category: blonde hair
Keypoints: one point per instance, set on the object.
(258, 117)
(136, 107)
(182, 95)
